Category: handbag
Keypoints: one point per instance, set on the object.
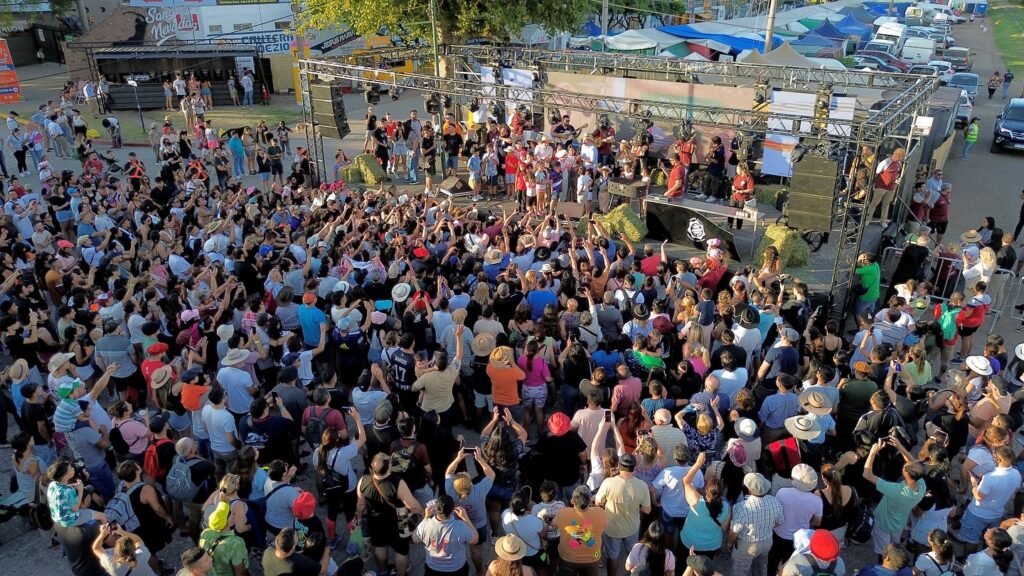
(334, 481)
(39, 513)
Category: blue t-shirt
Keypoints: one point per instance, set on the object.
(310, 319)
(476, 504)
(537, 300)
(445, 543)
(474, 167)
(606, 360)
(700, 531)
(650, 405)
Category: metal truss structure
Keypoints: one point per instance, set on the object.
(907, 98)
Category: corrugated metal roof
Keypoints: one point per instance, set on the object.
(126, 52)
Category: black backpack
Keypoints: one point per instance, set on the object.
(859, 531)
(626, 304)
(316, 425)
(404, 464)
(117, 440)
(817, 570)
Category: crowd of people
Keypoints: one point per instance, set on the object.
(310, 377)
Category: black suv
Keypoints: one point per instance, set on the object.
(1009, 130)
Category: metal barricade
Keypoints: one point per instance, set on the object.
(945, 274)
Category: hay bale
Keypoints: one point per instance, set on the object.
(793, 251)
(767, 194)
(658, 178)
(352, 174)
(373, 173)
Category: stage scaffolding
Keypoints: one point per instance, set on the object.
(881, 130)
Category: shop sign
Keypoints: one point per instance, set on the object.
(170, 3)
(170, 22)
(10, 89)
(264, 42)
(335, 41)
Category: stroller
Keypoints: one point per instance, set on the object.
(113, 167)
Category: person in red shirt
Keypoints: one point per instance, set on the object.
(742, 192)
(938, 216)
(604, 137)
(886, 175)
(523, 169)
(649, 265)
(518, 124)
(676, 177)
(511, 169)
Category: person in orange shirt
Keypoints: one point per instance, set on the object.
(505, 377)
(742, 192)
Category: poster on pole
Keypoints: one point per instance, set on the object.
(10, 89)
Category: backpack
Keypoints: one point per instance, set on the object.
(332, 480)
(404, 464)
(180, 486)
(785, 454)
(947, 322)
(269, 302)
(316, 425)
(949, 569)
(117, 440)
(817, 570)
(663, 325)
(151, 461)
(120, 509)
(626, 304)
(860, 529)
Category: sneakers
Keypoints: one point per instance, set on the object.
(477, 198)
(701, 197)
(711, 200)
(333, 542)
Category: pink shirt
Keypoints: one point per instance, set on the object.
(538, 373)
(626, 392)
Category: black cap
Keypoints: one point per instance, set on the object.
(288, 374)
(627, 462)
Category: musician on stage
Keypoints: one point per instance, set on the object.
(604, 138)
(564, 132)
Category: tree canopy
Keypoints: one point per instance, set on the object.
(457, 20)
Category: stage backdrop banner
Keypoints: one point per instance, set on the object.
(678, 224)
(778, 154)
(664, 133)
(792, 104)
(841, 108)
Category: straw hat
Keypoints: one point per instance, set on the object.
(803, 427)
(235, 356)
(757, 484)
(400, 293)
(160, 377)
(805, 479)
(814, 402)
(58, 360)
(971, 237)
(483, 344)
(528, 241)
(510, 548)
(501, 357)
(19, 370)
(979, 365)
(493, 256)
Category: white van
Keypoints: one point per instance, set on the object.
(918, 50)
(881, 46)
(914, 16)
(941, 12)
(893, 32)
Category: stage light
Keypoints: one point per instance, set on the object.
(432, 104)
(372, 95)
(447, 102)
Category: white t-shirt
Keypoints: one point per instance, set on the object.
(586, 422)
(246, 83)
(997, 487)
(179, 87)
(219, 422)
(731, 382)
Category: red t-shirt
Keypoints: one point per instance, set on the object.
(744, 186)
(511, 163)
(686, 153)
(333, 417)
(649, 265)
(678, 174)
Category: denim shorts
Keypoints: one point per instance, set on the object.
(973, 527)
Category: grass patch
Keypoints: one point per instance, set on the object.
(282, 108)
(1008, 19)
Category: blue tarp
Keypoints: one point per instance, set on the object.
(815, 39)
(859, 14)
(738, 44)
(591, 29)
(827, 30)
(882, 8)
(851, 26)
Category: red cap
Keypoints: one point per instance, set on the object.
(558, 424)
(420, 252)
(824, 545)
(309, 298)
(156, 349)
(64, 244)
(304, 506)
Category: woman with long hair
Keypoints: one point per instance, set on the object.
(937, 559)
(604, 462)
(502, 444)
(127, 556)
(251, 477)
(838, 502)
(916, 370)
(704, 528)
(932, 513)
(510, 551)
(27, 466)
(995, 558)
(650, 552)
(535, 386)
(134, 433)
(650, 459)
(335, 477)
(630, 427)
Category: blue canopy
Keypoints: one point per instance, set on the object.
(591, 28)
(814, 39)
(851, 27)
(827, 30)
(738, 44)
(882, 8)
(859, 14)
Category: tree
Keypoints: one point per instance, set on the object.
(457, 20)
(25, 9)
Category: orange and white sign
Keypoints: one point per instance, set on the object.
(10, 89)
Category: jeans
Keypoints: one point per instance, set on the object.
(247, 98)
(47, 454)
(1006, 89)
(863, 307)
(967, 148)
(238, 165)
(37, 156)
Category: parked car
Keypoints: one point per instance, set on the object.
(1009, 127)
(960, 58)
(944, 68)
(964, 110)
(884, 46)
(923, 69)
(885, 58)
(966, 80)
(872, 63)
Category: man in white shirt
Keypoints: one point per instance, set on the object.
(990, 495)
(587, 420)
(247, 87)
(179, 87)
(669, 488)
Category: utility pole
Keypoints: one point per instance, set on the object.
(770, 26)
(437, 55)
(604, 17)
(83, 15)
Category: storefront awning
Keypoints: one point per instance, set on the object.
(187, 51)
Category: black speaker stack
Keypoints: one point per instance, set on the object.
(329, 110)
(812, 189)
